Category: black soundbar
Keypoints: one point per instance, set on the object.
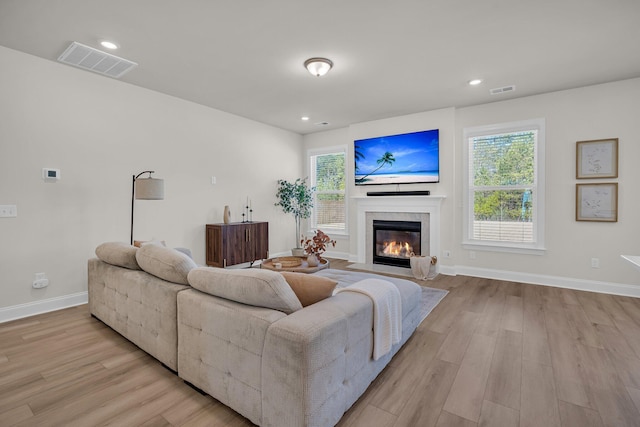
(399, 193)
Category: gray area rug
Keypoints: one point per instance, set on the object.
(431, 297)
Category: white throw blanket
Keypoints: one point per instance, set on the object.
(387, 312)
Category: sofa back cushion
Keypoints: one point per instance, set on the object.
(165, 263)
(252, 286)
(119, 254)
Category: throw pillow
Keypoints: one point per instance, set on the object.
(309, 288)
(252, 286)
(165, 263)
(119, 254)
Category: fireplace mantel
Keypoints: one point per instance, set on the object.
(400, 204)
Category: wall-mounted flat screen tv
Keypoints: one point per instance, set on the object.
(408, 158)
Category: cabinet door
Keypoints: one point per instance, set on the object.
(235, 244)
(214, 249)
(260, 240)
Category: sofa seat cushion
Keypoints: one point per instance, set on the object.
(309, 289)
(119, 254)
(165, 263)
(257, 287)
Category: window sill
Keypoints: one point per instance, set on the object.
(504, 247)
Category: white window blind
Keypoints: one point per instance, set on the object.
(328, 177)
(504, 195)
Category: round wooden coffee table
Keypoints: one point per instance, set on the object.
(302, 268)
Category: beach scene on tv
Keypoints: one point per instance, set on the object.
(398, 159)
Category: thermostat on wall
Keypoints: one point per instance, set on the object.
(49, 174)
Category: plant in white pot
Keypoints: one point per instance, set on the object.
(296, 198)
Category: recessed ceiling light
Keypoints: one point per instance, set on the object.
(109, 45)
(475, 82)
(304, 118)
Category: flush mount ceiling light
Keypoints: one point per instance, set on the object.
(318, 66)
(304, 118)
(475, 82)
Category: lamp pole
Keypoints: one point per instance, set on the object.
(133, 197)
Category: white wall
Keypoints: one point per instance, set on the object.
(596, 112)
(100, 132)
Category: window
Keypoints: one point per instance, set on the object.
(327, 174)
(504, 187)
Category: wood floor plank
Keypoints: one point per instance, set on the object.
(444, 319)
(512, 316)
(634, 393)
(574, 415)
(594, 309)
(15, 415)
(450, 420)
(494, 415)
(455, 344)
(539, 403)
(582, 328)
(400, 381)
(503, 386)
(489, 322)
(611, 396)
(467, 391)
(425, 404)
(535, 345)
(375, 417)
(571, 384)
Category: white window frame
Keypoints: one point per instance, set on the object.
(538, 207)
(340, 149)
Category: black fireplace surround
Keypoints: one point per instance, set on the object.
(394, 241)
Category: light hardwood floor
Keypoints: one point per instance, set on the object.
(492, 353)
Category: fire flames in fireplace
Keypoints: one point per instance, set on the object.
(397, 249)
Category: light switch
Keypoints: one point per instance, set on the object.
(8, 211)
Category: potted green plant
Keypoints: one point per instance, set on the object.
(295, 198)
(315, 246)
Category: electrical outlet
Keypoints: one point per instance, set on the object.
(472, 254)
(214, 180)
(595, 263)
(446, 254)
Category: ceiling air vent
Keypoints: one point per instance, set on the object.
(505, 89)
(95, 60)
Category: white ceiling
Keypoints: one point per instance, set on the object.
(391, 57)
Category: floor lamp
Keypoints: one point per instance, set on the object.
(145, 189)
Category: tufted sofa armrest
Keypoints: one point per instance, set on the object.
(317, 362)
(139, 306)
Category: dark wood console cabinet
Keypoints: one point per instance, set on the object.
(236, 243)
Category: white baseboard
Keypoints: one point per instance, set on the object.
(545, 280)
(44, 306)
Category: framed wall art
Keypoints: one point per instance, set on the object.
(597, 202)
(597, 159)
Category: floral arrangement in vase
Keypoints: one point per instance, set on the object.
(315, 246)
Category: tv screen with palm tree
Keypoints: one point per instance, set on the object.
(408, 158)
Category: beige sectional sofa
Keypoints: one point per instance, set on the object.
(243, 337)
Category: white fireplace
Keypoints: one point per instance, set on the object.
(404, 208)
